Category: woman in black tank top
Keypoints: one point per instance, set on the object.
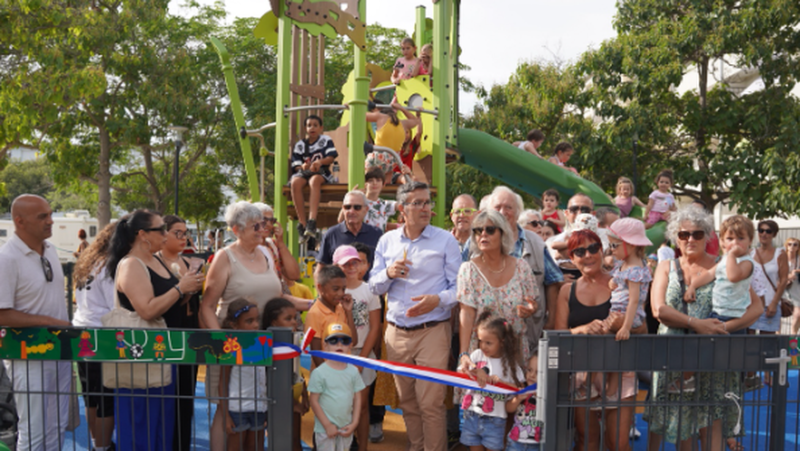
(145, 285)
(583, 308)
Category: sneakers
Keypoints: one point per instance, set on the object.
(634, 433)
(376, 432)
(311, 228)
(675, 387)
(453, 439)
(301, 232)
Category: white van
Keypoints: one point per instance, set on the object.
(65, 232)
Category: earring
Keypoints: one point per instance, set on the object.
(149, 246)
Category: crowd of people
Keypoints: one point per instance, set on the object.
(474, 299)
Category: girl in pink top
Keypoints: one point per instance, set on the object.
(406, 66)
(625, 199)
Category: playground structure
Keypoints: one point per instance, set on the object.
(299, 27)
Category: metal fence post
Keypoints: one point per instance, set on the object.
(556, 419)
(777, 427)
(279, 392)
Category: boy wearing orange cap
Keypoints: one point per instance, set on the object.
(334, 393)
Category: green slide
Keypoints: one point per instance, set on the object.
(526, 172)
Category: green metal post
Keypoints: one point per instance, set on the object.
(282, 126)
(441, 102)
(454, 38)
(419, 38)
(238, 116)
(358, 112)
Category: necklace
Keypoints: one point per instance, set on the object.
(490, 269)
(251, 256)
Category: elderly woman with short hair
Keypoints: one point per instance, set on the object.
(276, 249)
(239, 270)
(494, 280)
(682, 412)
(531, 220)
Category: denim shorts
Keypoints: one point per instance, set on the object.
(483, 430)
(726, 319)
(248, 421)
(511, 445)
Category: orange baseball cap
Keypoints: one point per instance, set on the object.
(336, 330)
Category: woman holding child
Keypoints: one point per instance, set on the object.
(672, 417)
(494, 280)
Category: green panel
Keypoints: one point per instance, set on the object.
(225, 347)
(533, 175)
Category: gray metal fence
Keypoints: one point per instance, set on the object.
(57, 406)
(757, 418)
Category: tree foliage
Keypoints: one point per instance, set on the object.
(35, 177)
(659, 81)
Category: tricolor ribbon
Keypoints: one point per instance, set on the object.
(283, 351)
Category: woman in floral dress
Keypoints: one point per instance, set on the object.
(494, 280)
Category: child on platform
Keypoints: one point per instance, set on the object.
(367, 319)
(496, 360)
(426, 60)
(243, 389)
(550, 211)
(407, 66)
(335, 399)
(332, 306)
(526, 433)
(533, 141)
(661, 200)
(311, 160)
(731, 294)
(625, 199)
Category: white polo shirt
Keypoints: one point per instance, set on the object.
(23, 285)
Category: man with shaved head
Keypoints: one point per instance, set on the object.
(32, 295)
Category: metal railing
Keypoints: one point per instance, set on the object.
(576, 415)
(143, 419)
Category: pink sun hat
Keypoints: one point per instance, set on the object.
(631, 231)
(344, 254)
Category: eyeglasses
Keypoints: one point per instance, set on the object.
(463, 211)
(269, 221)
(336, 340)
(356, 207)
(767, 231)
(697, 235)
(48, 270)
(258, 226)
(614, 246)
(583, 209)
(581, 251)
(418, 204)
(490, 230)
(179, 234)
(535, 223)
(162, 229)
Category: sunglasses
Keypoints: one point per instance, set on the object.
(490, 230)
(269, 221)
(536, 223)
(581, 251)
(346, 341)
(614, 246)
(355, 207)
(463, 211)
(583, 209)
(162, 229)
(767, 231)
(48, 270)
(697, 235)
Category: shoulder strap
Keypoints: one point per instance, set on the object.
(764, 270)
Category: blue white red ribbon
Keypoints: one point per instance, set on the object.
(284, 351)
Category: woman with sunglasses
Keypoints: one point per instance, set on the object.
(792, 246)
(146, 285)
(681, 423)
(582, 309)
(775, 264)
(274, 247)
(493, 280)
(182, 315)
(531, 220)
(239, 270)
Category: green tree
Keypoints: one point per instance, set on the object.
(724, 146)
(35, 177)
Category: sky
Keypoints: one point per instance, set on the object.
(496, 35)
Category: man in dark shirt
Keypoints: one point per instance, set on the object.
(352, 230)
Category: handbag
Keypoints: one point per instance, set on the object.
(133, 375)
(786, 306)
